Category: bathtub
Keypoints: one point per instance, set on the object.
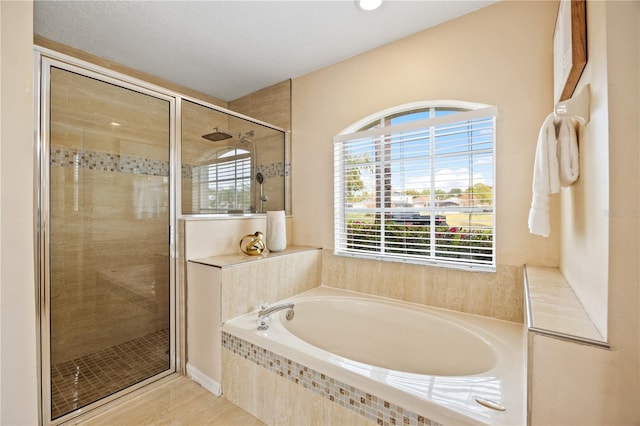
(414, 363)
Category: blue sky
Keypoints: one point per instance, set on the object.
(408, 153)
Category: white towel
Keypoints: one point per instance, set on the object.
(546, 179)
(568, 161)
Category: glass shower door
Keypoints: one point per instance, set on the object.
(108, 284)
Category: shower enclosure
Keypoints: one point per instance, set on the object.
(230, 164)
(106, 223)
(119, 161)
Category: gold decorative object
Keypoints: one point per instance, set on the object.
(252, 244)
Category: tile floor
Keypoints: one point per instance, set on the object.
(84, 380)
(177, 402)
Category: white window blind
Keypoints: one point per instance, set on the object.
(225, 183)
(420, 191)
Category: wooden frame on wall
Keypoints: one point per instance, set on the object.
(569, 47)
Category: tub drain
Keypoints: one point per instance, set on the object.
(490, 404)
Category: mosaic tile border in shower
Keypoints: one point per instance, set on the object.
(107, 162)
(370, 406)
(187, 171)
(270, 170)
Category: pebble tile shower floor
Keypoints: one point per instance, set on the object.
(83, 380)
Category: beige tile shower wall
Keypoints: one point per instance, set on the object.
(109, 120)
(246, 285)
(499, 295)
(271, 105)
(270, 147)
(108, 261)
(276, 400)
(109, 267)
(186, 187)
(270, 155)
(198, 120)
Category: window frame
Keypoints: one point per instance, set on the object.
(235, 159)
(471, 111)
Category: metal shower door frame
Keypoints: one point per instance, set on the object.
(44, 60)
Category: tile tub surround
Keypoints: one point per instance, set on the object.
(497, 294)
(444, 399)
(245, 356)
(221, 287)
(248, 281)
(279, 401)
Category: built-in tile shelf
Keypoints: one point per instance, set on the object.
(224, 286)
(553, 309)
(227, 260)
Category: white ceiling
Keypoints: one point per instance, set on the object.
(228, 49)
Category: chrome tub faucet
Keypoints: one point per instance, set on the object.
(265, 311)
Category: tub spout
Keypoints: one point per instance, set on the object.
(268, 311)
(263, 314)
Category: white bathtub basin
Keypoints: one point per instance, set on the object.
(391, 337)
(431, 361)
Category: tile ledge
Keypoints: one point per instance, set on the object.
(546, 288)
(227, 260)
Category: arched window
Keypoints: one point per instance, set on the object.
(224, 182)
(416, 184)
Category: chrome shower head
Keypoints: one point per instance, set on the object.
(246, 136)
(217, 135)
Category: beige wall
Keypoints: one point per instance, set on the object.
(18, 366)
(600, 253)
(501, 63)
(584, 205)
(511, 69)
(483, 57)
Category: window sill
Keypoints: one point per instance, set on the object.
(414, 261)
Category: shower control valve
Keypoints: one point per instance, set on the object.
(263, 323)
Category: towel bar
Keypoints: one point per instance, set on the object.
(576, 107)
